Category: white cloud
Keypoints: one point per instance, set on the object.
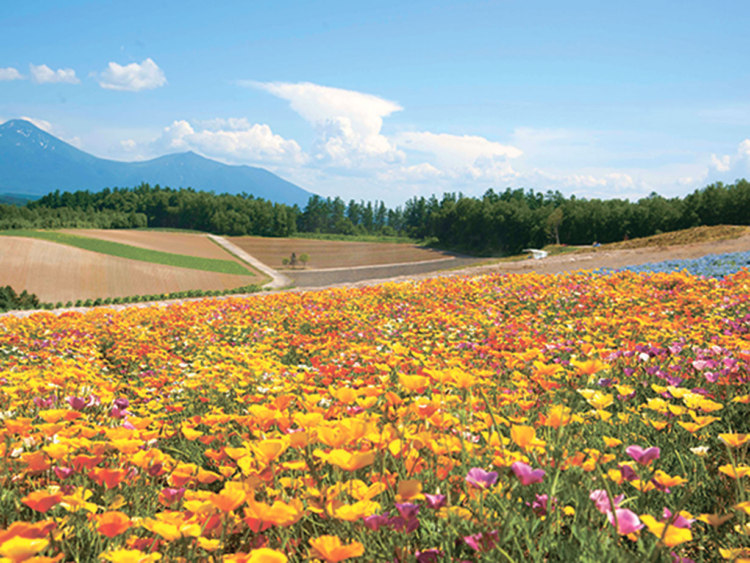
(133, 77)
(10, 73)
(235, 140)
(731, 167)
(42, 124)
(42, 74)
(348, 123)
(721, 164)
(463, 155)
(128, 145)
(417, 173)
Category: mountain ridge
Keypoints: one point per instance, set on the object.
(34, 162)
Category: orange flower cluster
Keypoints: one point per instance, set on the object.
(425, 421)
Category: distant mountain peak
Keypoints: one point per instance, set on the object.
(35, 162)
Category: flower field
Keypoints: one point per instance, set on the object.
(713, 265)
(498, 418)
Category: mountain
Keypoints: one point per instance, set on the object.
(33, 163)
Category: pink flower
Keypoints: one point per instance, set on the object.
(526, 474)
(679, 521)
(626, 522)
(375, 521)
(481, 542)
(644, 457)
(601, 500)
(172, 495)
(428, 555)
(542, 505)
(63, 472)
(435, 501)
(481, 478)
(627, 472)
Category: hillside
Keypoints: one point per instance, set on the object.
(33, 162)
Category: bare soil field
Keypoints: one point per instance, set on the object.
(56, 272)
(192, 244)
(325, 254)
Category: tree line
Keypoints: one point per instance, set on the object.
(496, 223)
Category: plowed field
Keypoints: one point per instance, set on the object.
(192, 244)
(56, 272)
(335, 253)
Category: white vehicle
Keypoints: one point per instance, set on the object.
(536, 254)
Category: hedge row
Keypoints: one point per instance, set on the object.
(35, 304)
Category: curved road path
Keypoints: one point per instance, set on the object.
(277, 280)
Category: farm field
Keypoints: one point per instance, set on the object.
(193, 244)
(57, 272)
(334, 253)
(518, 417)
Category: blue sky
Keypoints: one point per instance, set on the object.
(387, 100)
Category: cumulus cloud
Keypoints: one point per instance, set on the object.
(729, 167)
(463, 155)
(42, 74)
(235, 140)
(10, 73)
(348, 123)
(133, 77)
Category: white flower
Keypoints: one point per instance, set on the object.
(700, 451)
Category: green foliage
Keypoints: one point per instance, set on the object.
(10, 300)
(496, 223)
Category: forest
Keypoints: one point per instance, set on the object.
(495, 224)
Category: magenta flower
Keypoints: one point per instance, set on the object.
(80, 403)
(481, 478)
(601, 500)
(155, 469)
(627, 472)
(435, 501)
(121, 402)
(375, 521)
(542, 505)
(173, 495)
(43, 403)
(429, 555)
(77, 403)
(407, 510)
(644, 457)
(679, 521)
(63, 472)
(626, 522)
(481, 542)
(118, 412)
(526, 474)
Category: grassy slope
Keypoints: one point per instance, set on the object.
(674, 238)
(686, 236)
(135, 253)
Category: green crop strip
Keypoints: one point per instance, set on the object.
(135, 253)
